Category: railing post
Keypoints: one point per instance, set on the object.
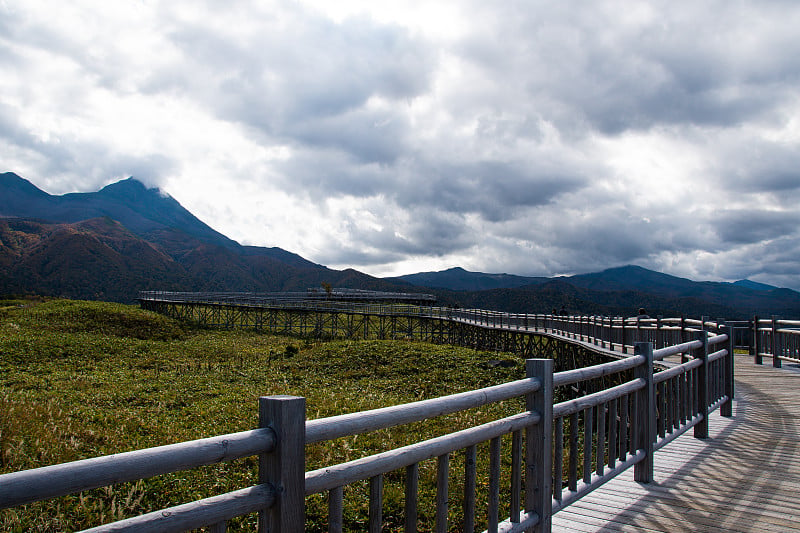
(776, 348)
(660, 340)
(703, 375)
(539, 445)
(727, 408)
(683, 333)
(756, 344)
(284, 467)
(646, 423)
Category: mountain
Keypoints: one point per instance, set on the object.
(620, 290)
(459, 279)
(745, 296)
(746, 283)
(558, 294)
(126, 237)
(93, 259)
(143, 211)
(633, 277)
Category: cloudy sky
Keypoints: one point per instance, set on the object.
(534, 138)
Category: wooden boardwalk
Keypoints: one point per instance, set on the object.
(745, 477)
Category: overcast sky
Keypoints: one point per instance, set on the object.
(534, 138)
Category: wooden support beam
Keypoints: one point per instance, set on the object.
(702, 396)
(284, 468)
(539, 445)
(646, 417)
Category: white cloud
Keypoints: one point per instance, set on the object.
(525, 137)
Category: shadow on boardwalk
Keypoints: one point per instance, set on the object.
(745, 477)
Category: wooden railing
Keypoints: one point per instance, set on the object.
(614, 334)
(777, 339)
(609, 333)
(311, 295)
(622, 426)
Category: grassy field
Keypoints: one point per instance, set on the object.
(82, 379)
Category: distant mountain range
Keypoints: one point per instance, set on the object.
(126, 237)
(614, 291)
(458, 279)
(621, 278)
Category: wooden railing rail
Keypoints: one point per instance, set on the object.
(214, 511)
(334, 478)
(278, 428)
(777, 339)
(364, 421)
(28, 486)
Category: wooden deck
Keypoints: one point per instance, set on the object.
(745, 477)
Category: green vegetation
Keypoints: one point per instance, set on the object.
(82, 379)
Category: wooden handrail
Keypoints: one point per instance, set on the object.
(27, 486)
(346, 473)
(364, 421)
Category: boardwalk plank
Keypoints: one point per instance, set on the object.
(744, 477)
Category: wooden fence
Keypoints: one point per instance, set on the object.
(777, 339)
(295, 315)
(622, 426)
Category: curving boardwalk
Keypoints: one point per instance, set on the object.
(745, 477)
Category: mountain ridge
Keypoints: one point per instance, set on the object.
(201, 258)
(625, 287)
(457, 278)
(127, 237)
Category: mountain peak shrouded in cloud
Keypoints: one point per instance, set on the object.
(140, 209)
(406, 137)
(130, 188)
(127, 237)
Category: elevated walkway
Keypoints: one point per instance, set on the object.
(745, 477)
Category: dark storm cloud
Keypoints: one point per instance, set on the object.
(431, 231)
(777, 265)
(611, 235)
(318, 175)
(761, 166)
(309, 81)
(495, 190)
(533, 137)
(748, 226)
(427, 232)
(618, 67)
(368, 135)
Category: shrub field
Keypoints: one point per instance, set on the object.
(83, 379)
